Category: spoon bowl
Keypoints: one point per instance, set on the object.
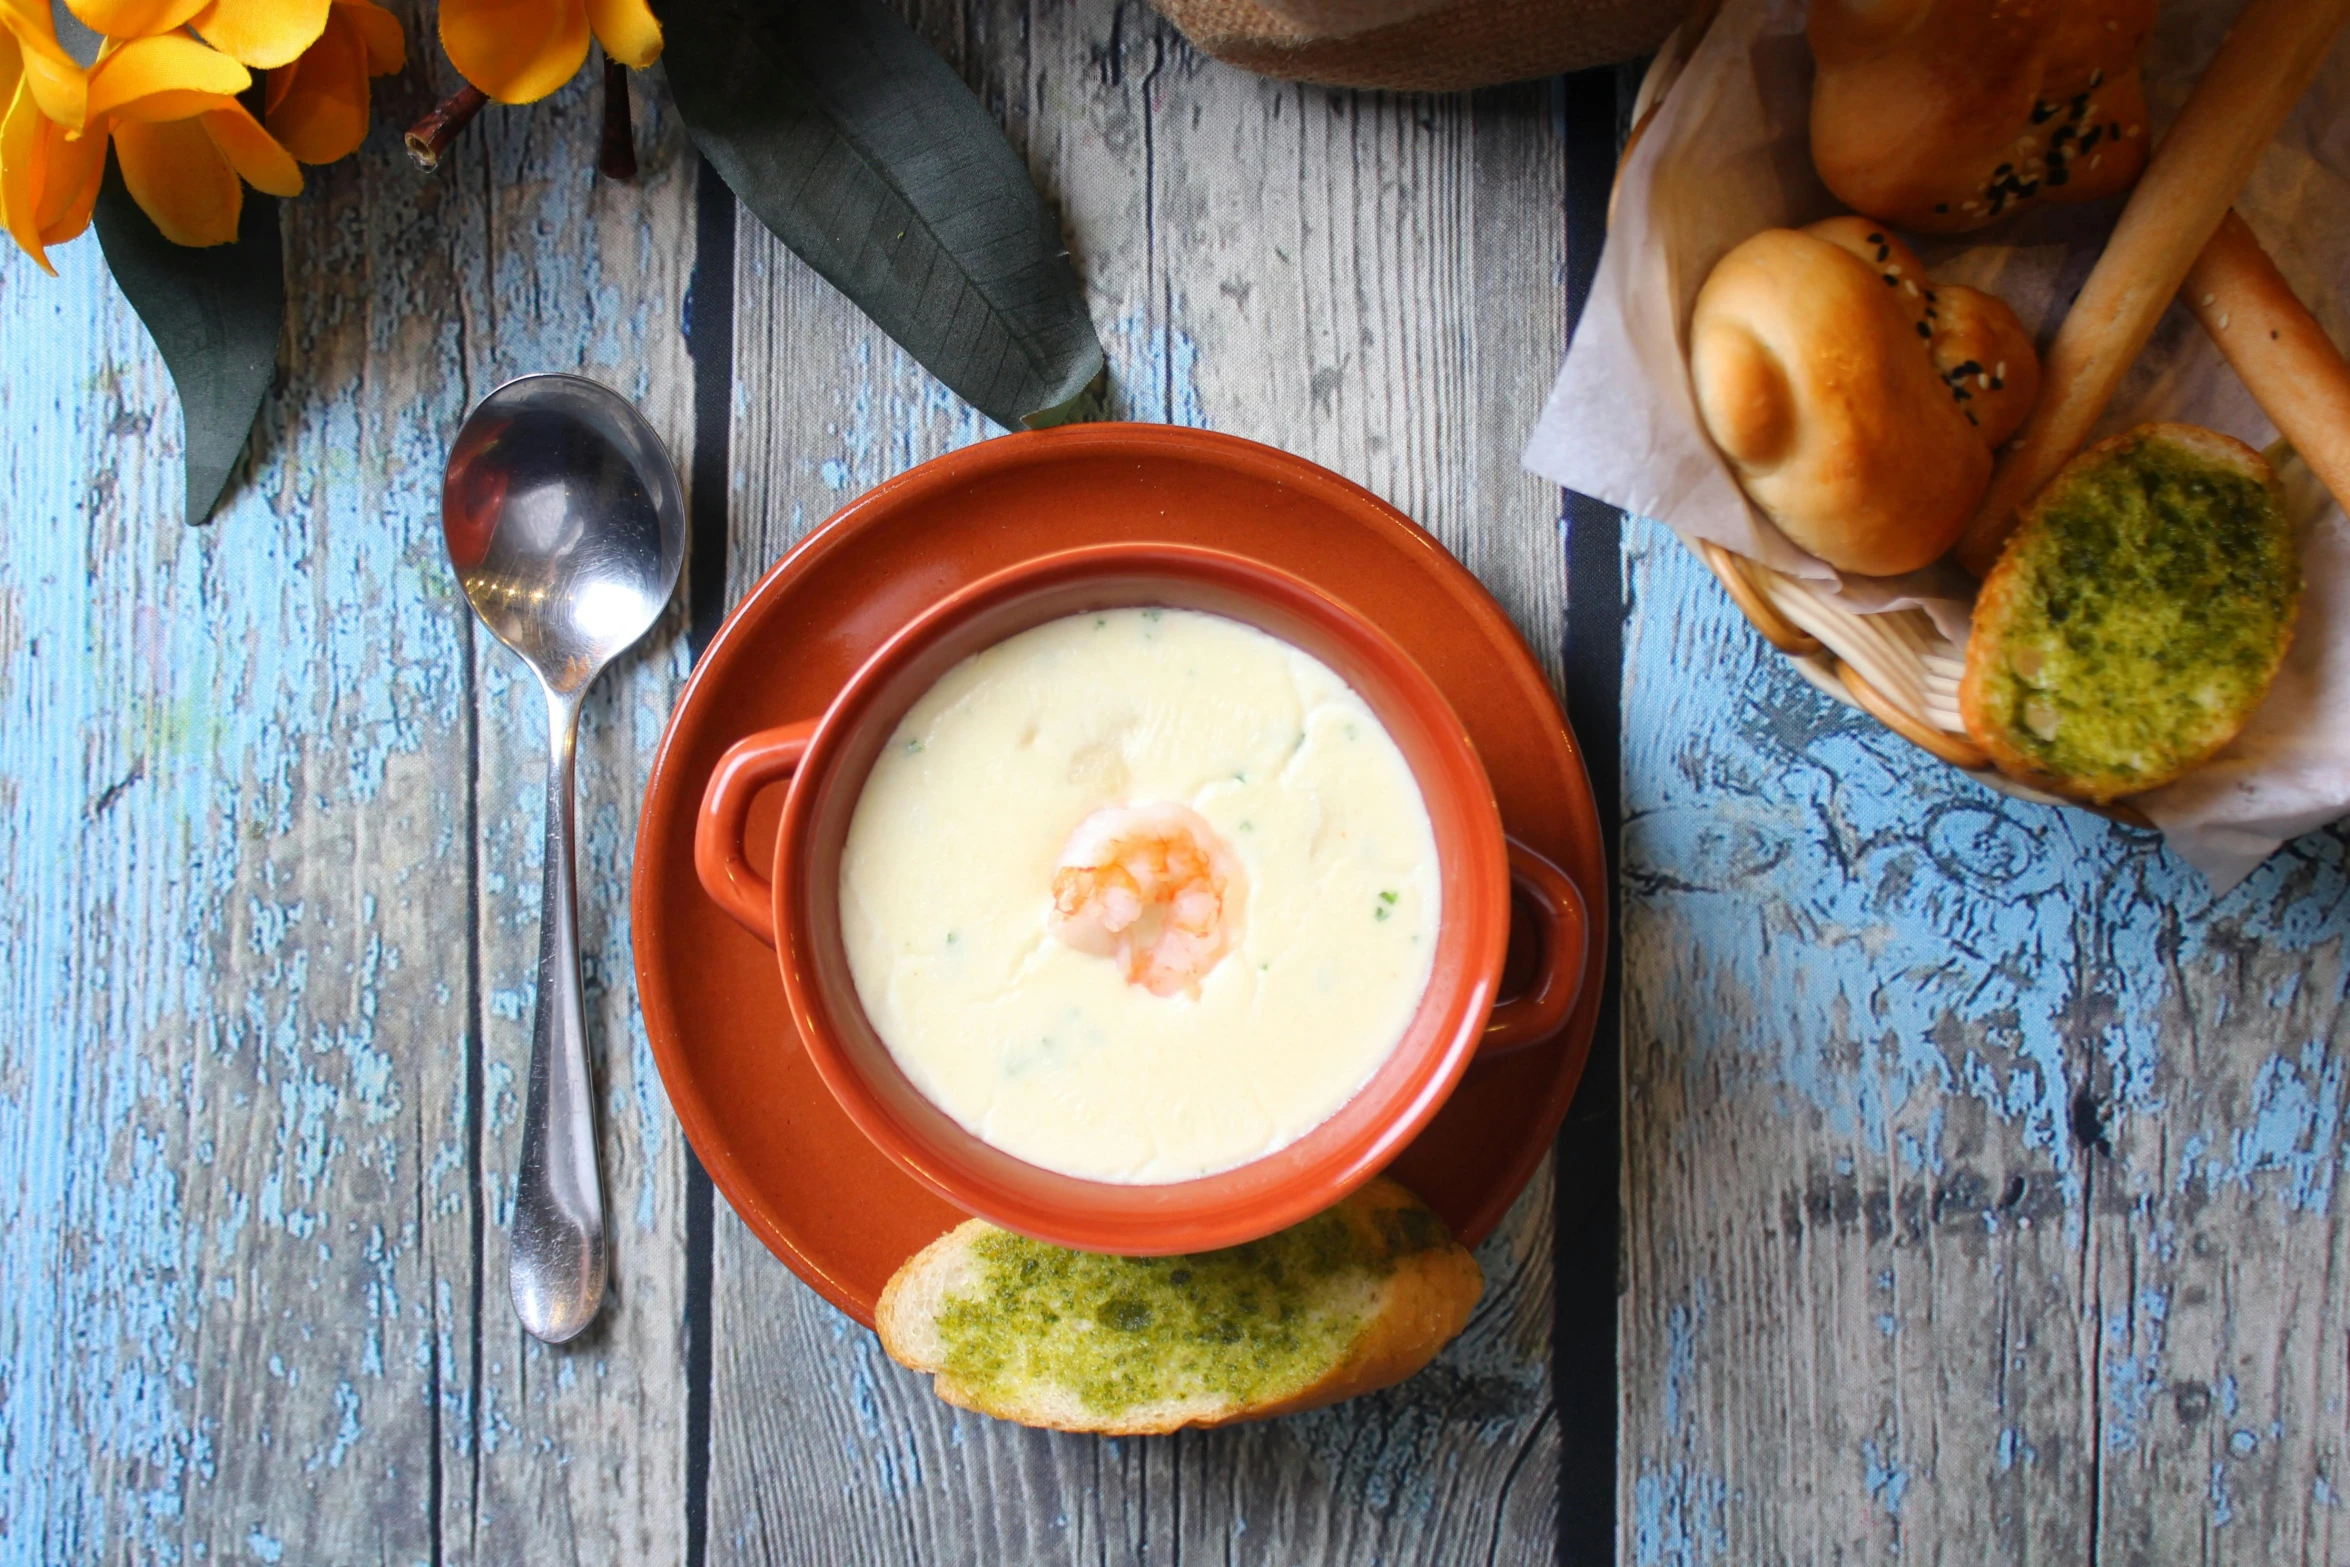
(565, 522)
(566, 525)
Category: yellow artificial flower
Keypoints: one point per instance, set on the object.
(317, 107)
(47, 183)
(518, 51)
(31, 60)
(263, 34)
(186, 146)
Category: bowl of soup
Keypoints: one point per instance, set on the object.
(1140, 898)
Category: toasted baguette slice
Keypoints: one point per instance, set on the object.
(1352, 1299)
(2137, 616)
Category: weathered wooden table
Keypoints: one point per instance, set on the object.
(1977, 1168)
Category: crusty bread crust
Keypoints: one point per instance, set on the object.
(1945, 115)
(2006, 584)
(1421, 1306)
(1856, 399)
(2282, 355)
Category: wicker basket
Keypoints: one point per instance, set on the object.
(1421, 45)
(1897, 667)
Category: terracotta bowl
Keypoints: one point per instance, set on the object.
(794, 904)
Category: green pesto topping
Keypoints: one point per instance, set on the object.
(2156, 594)
(1251, 1324)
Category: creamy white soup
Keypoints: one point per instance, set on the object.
(1140, 895)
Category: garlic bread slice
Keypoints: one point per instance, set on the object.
(2135, 620)
(1355, 1298)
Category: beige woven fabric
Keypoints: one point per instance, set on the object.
(1460, 43)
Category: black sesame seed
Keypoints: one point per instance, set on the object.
(1925, 330)
(2092, 136)
(2079, 106)
(1876, 239)
(2272, 335)
(2003, 171)
(1884, 253)
(2041, 111)
(1970, 417)
(1941, 206)
(1892, 280)
(1997, 383)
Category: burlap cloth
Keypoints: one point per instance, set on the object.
(1422, 45)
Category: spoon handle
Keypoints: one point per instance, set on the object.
(558, 1235)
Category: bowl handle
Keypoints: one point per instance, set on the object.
(1541, 1010)
(748, 766)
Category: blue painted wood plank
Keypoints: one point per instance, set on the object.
(269, 808)
(1941, 1109)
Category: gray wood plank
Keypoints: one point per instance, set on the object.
(256, 1115)
(1282, 263)
(1976, 1158)
(582, 1446)
(2216, 1299)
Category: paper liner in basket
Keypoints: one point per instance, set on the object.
(1728, 154)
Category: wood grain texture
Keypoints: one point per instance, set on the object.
(1981, 1168)
(1980, 1165)
(1318, 271)
(269, 813)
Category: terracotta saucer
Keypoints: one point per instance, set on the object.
(772, 1137)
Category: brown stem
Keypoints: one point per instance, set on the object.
(617, 156)
(429, 137)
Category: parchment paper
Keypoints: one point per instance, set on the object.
(1729, 154)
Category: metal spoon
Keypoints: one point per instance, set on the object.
(566, 525)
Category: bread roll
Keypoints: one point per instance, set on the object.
(1857, 401)
(1944, 115)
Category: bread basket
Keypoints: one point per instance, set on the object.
(1897, 667)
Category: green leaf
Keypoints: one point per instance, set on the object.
(215, 315)
(857, 147)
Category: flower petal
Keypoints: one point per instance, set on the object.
(48, 177)
(276, 84)
(180, 179)
(387, 46)
(133, 18)
(158, 79)
(60, 86)
(323, 114)
(253, 152)
(263, 33)
(69, 189)
(517, 51)
(627, 31)
(22, 132)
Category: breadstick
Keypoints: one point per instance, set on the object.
(2283, 356)
(2262, 68)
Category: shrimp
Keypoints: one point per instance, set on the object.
(1154, 887)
